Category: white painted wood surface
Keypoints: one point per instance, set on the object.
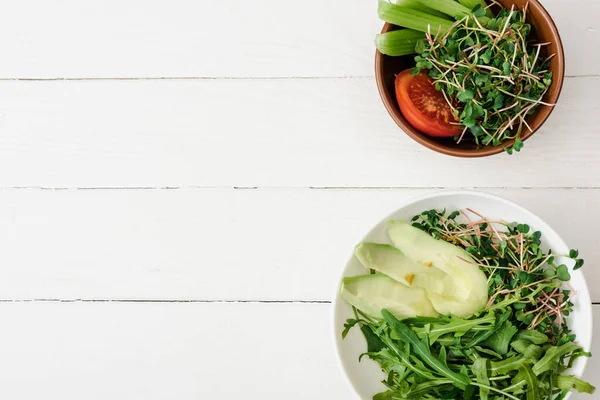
(181, 183)
(235, 38)
(185, 351)
(219, 244)
(296, 132)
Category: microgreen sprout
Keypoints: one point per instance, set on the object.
(519, 271)
(492, 75)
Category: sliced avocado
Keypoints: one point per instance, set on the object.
(390, 261)
(470, 282)
(375, 292)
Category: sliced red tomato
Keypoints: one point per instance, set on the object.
(424, 107)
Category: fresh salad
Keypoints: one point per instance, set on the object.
(478, 74)
(463, 307)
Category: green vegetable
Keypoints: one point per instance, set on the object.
(374, 344)
(456, 326)
(472, 4)
(501, 338)
(449, 7)
(562, 272)
(532, 336)
(571, 383)
(412, 19)
(533, 391)
(517, 348)
(520, 345)
(507, 365)
(529, 350)
(516, 267)
(417, 5)
(398, 43)
(553, 356)
(423, 352)
(480, 368)
(492, 77)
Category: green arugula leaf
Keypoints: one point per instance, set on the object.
(424, 388)
(572, 383)
(575, 355)
(501, 338)
(388, 361)
(553, 356)
(374, 344)
(457, 326)
(480, 369)
(533, 391)
(423, 351)
(469, 392)
(388, 395)
(508, 365)
(452, 394)
(525, 376)
(442, 356)
(532, 336)
(487, 352)
(403, 354)
(347, 326)
(528, 349)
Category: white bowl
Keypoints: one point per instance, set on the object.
(366, 376)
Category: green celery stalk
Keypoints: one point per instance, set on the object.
(412, 19)
(417, 5)
(398, 43)
(470, 4)
(450, 7)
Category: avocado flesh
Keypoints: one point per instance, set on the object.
(375, 292)
(471, 291)
(388, 260)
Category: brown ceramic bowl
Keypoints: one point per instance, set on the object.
(544, 29)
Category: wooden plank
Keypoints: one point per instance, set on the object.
(219, 244)
(161, 351)
(187, 38)
(311, 132)
(577, 34)
(186, 351)
(237, 38)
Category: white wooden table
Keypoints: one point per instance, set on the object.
(181, 183)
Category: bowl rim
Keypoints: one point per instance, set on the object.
(583, 290)
(486, 150)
